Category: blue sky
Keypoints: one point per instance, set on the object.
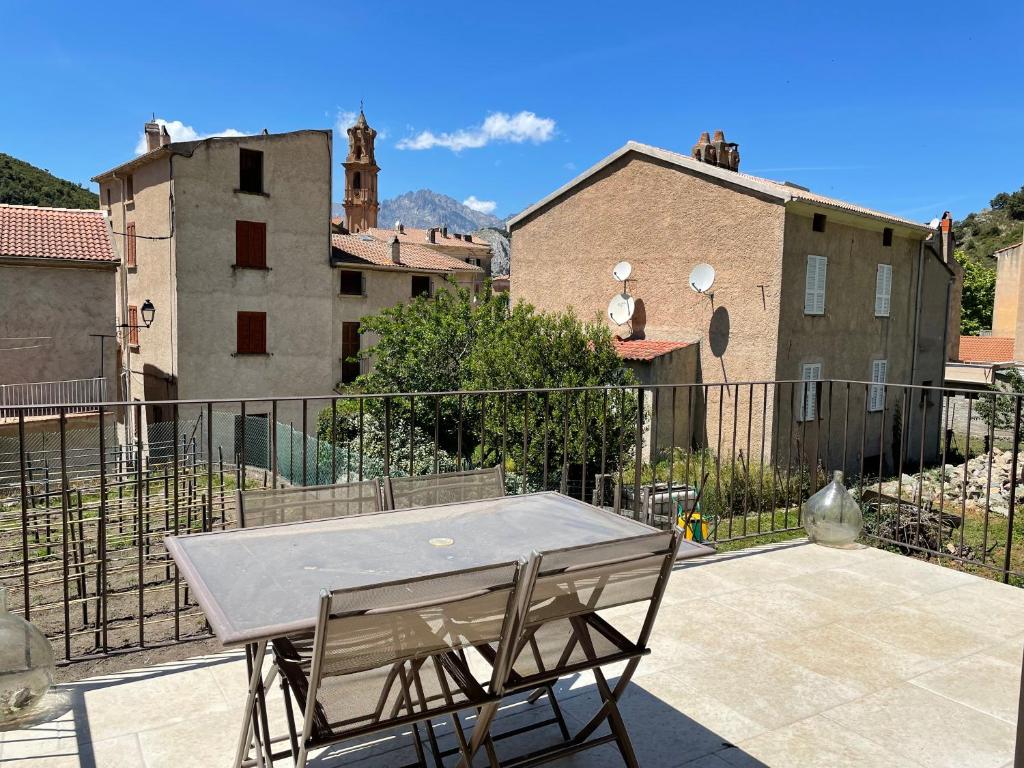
(913, 108)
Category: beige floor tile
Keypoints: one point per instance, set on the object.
(768, 689)
(66, 744)
(915, 631)
(920, 576)
(707, 628)
(1010, 651)
(984, 609)
(787, 605)
(818, 742)
(928, 728)
(856, 589)
(983, 682)
(859, 661)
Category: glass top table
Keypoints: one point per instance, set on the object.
(260, 583)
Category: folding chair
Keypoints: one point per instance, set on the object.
(388, 656)
(563, 634)
(268, 506)
(445, 488)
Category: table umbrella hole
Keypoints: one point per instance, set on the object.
(443, 541)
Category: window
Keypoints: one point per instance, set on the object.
(420, 285)
(808, 401)
(351, 283)
(349, 352)
(129, 188)
(130, 256)
(133, 325)
(252, 333)
(250, 171)
(818, 225)
(876, 395)
(883, 290)
(814, 287)
(357, 180)
(251, 244)
(106, 196)
(887, 237)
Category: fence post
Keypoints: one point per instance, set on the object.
(1013, 488)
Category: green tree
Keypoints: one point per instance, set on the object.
(978, 296)
(996, 410)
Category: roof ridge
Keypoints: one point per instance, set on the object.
(53, 208)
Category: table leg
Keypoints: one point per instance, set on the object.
(255, 654)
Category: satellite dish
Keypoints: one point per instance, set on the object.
(934, 224)
(702, 278)
(621, 308)
(622, 271)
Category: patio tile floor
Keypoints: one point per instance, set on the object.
(782, 655)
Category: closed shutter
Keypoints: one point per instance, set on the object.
(814, 286)
(876, 399)
(251, 244)
(130, 252)
(251, 330)
(808, 401)
(133, 325)
(883, 290)
(350, 344)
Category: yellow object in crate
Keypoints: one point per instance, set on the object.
(693, 527)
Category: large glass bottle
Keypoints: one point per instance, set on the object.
(831, 516)
(26, 664)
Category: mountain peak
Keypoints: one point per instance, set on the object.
(426, 208)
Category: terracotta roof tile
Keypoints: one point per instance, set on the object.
(353, 249)
(986, 349)
(55, 233)
(419, 237)
(645, 349)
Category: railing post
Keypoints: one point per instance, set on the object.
(1013, 488)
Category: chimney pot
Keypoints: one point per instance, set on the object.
(152, 130)
(444, 231)
(468, 238)
(165, 137)
(431, 235)
(396, 250)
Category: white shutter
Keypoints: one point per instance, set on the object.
(883, 290)
(811, 373)
(814, 286)
(876, 401)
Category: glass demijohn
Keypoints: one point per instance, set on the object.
(26, 663)
(831, 516)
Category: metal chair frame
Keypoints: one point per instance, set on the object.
(498, 490)
(279, 497)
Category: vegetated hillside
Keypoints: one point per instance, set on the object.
(980, 234)
(425, 208)
(23, 184)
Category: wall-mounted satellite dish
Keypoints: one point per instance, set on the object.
(622, 271)
(934, 224)
(702, 278)
(621, 308)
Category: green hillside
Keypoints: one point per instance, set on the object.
(980, 234)
(24, 184)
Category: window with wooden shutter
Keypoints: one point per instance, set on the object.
(129, 245)
(133, 325)
(250, 244)
(814, 285)
(876, 395)
(350, 344)
(351, 283)
(883, 290)
(252, 333)
(810, 375)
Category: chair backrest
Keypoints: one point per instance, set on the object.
(367, 628)
(445, 488)
(267, 506)
(581, 580)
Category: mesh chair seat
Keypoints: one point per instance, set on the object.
(272, 506)
(444, 488)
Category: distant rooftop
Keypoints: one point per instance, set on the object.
(417, 236)
(646, 349)
(65, 234)
(365, 249)
(986, 349)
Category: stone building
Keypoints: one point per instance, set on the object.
(361, 169)
(1007, 317)
(808, 288)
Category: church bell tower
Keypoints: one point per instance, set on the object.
(360, 177)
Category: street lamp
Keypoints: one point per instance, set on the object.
(148, 311)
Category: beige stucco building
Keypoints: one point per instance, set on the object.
(57, 288)
(1007, 317)
(807, 287)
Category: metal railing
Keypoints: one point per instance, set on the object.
(73, 395)
(82, 528)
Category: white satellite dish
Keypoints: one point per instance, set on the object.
(702, 278)
(622, 271)
(934, 223)
(621, 308)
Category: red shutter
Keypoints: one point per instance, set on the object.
(133, 325)
(251, 244)
(130, 244)
(242, 246)
(252, 333)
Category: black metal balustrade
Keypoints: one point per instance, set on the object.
(84, 508)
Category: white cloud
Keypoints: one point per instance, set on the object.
(344, 120)
(181, 132)
(497, 127)
(480, 206)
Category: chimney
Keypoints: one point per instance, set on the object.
(468, 238)
(165, 137)
(431, 235)
(717, 151)
(152, 130)
(396, 250)
(444, 231)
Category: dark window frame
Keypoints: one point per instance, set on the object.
(355, 288)
(350, 362)
(250, 333)
(819, 222)
(887, 237)
(425, 293)
(250, 244)
(250, 171)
